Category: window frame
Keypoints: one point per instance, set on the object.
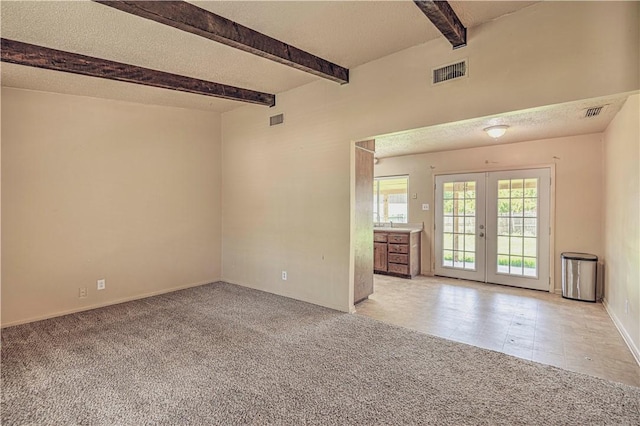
(376, 190)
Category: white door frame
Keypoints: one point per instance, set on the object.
(542, 280)
(552, 210)
(478, 273)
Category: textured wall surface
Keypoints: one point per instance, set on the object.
(622, 220)
(104, 189)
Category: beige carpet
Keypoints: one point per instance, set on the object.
(222, 354)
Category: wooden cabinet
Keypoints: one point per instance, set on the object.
(396, 253)
(380, 257)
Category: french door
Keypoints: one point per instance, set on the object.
(494, 227)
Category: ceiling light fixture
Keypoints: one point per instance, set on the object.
(496, 131)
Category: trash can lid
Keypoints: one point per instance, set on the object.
(579, 256)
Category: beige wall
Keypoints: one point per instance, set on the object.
(622, 221)
(104, 189)
(578, 186)
(286, 191)
(286, 206)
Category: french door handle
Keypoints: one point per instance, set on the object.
(481, 234)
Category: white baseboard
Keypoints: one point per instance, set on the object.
(102, 305)
(627, 339)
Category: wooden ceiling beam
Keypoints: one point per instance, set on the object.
(445, 19)
(20, 53)
(192, 19)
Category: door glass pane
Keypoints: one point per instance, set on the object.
(503, 189)
(515, 267)
(531, 188)
(515, 226)
(458, 242)
(530, 266)
(516, 207)
(459, 227)
(516, 246)
(530, 227)
(517, 186)
(447, 258)
(503, 264)
(470, 243)
(448, 224)
(503, 207)
(517, 231)
(530, 207)
(447, 241)
(470, 207)
(503, 226)
(447, 207)
(503, 245)
(458, 259)
(469, 225)
(530, 248)
(470, 261)
(470, 190)
(447, 191)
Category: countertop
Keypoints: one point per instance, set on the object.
(398, 230)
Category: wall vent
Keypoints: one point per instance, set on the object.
(274, 120)
(449, 72)
(593, 112)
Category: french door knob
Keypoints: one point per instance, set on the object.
(482, 234)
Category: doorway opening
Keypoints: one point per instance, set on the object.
(494, 227)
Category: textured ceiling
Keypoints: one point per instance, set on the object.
(347, 33)
(351, 33)
(551, 121)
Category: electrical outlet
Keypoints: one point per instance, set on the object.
(284, 275)
(82, 292)
(425, 207)
(102, 284)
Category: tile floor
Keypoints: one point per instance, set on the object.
(534, 325)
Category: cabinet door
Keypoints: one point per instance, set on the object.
(380, 257)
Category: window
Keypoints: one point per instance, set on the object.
(390, 199)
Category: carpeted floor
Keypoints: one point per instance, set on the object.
(223, 354)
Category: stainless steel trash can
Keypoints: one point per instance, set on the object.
(579, 276)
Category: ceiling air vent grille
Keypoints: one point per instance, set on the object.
(449, 72)
(276, 119)
(592, 112)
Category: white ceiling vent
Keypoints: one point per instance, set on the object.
(593, 111)
(449, 72)
(274, 120)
